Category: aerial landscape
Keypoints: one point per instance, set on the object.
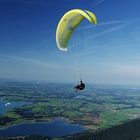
(99, 107)
(69, 70)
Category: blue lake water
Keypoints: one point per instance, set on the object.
(4, 108)
(55, 128)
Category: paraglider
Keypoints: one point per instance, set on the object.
(7, 104)
(80, 86)
(67, 25)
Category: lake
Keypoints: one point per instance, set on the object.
(4, 108)
(55, 128)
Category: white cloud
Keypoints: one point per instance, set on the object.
(110, 30)
(31, 61)
(102, 24)
(98, 2)
(98, 72)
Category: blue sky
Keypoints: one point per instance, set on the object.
(107, 53)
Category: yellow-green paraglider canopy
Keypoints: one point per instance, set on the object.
(68, 23)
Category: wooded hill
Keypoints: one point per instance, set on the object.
(126, 131)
